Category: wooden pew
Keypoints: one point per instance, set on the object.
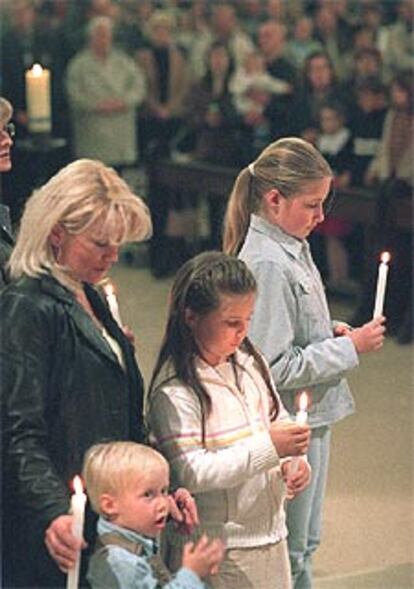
(358, 205)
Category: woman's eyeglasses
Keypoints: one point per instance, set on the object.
(9, 129)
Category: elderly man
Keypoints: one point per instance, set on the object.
(104, 87)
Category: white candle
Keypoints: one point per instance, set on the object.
(381, 284)
(77, 507)
(38, 99)
(301, 419)
(112, 301)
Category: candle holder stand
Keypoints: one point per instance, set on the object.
(45, 142)
(36, 158)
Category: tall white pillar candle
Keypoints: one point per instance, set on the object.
(77, 507)
(38, 99)
(381, 284)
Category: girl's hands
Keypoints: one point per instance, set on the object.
(204, 557)
(290, 439)
(183, 510)
(61, 544)
(342, 329)
(299, 479)
(369, 337)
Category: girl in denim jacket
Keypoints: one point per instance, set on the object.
(277, 201)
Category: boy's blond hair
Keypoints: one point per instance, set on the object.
(111, 467)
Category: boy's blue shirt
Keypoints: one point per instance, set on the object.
(117, 568)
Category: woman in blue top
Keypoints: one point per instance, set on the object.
(276, 203)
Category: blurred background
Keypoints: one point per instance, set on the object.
(178, 96)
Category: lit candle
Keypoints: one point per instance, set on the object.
(112, 301)
(301, 419)
(38, 99)
(381, 284)
(77, 507)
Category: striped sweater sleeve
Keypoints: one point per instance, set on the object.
(229, 455)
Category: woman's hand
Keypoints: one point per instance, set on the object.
(290, 439)
(61, 544)
(299, 479)
(183, 510)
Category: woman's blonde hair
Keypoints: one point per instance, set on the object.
(77, 196)
(6, 111)
(288, 164)
(114, 466)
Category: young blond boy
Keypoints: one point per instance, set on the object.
(127, 485)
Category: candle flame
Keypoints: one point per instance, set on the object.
(303, 401)
(385, 257)
(108, 287)
(77, 485)
(37, 69)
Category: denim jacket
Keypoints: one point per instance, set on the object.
(292, 325)
(118, 568)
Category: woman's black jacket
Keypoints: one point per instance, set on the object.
(62, 390)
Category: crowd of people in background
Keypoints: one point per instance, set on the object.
(217, 81)
(119, 60)
(305, 96)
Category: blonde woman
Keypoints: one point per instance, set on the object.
(276, 203)
(6, 142)
(69, 373)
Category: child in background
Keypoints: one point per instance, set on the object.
(282, 196)
(127, 485)
(303, 42)
(366, 123)
(335, 144)
(391, 173)
(334, 141)
(366, 63)
(395, 155)
(216, 416)
(254, 91)
(253, 75)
